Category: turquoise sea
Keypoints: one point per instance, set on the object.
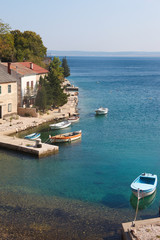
(114, 149)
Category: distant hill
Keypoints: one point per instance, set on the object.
(102, 54)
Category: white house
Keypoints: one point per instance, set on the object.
(40, 72)
(26, 82)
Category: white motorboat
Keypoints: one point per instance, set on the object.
(60, 125)
(73, 119)
(101, 111)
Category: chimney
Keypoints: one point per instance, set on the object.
(31, 65)
(9, 67)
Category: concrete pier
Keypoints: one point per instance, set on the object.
(27, 146)
(72, 88)
(142, 229)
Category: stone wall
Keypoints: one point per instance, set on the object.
(8, 101)
(27, 112)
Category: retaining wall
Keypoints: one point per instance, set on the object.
(27, 111)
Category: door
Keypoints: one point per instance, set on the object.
(0, 112)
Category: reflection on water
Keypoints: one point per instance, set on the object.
(143, 202)
(67, 144)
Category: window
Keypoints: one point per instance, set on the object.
(32, 85)
(9, 88)
(27, 87)
(0, 90)
(9, 107)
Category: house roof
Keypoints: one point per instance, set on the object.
(5, 77)
(35, 68)
(19, 68)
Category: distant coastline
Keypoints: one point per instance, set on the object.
(102, 54)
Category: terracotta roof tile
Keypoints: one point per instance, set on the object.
(19, 68)
(36, 68)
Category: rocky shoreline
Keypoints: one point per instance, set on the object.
(41, 217)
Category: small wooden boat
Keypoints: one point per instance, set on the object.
(33, 136)
(73, 119)
(144, 185)
(60, 125)
(101, 111)
(66, 137)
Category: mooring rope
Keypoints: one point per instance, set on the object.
(47, 140)
(136, 208)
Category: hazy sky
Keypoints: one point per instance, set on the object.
(88, 25)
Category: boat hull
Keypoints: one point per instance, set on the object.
(59, 125)
(101, 111)
(143, 194)
(73, 120)
(62, 138)
(33, 136)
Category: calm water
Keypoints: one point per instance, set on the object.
(114, 149)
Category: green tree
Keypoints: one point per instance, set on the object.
(41, 99)
(66, 69)
(4, 27)
(53, 84)
(6, 42)
(20, 46)
(55, 66)
(28, 46)
(55, 93)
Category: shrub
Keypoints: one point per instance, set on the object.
(27, 115)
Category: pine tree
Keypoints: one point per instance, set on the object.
(55, 94)
(41, 99)
(66, 69)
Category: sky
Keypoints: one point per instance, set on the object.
(88, 25)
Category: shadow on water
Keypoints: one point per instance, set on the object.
(16, 154)
(91, 114)
(100, 115)
(96, 116)
(143, 202)
(114, 201)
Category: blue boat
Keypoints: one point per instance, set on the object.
(33, 136)
(144, 185)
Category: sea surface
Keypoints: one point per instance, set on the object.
(114, 149)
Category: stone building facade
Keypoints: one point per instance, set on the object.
(8, 94)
